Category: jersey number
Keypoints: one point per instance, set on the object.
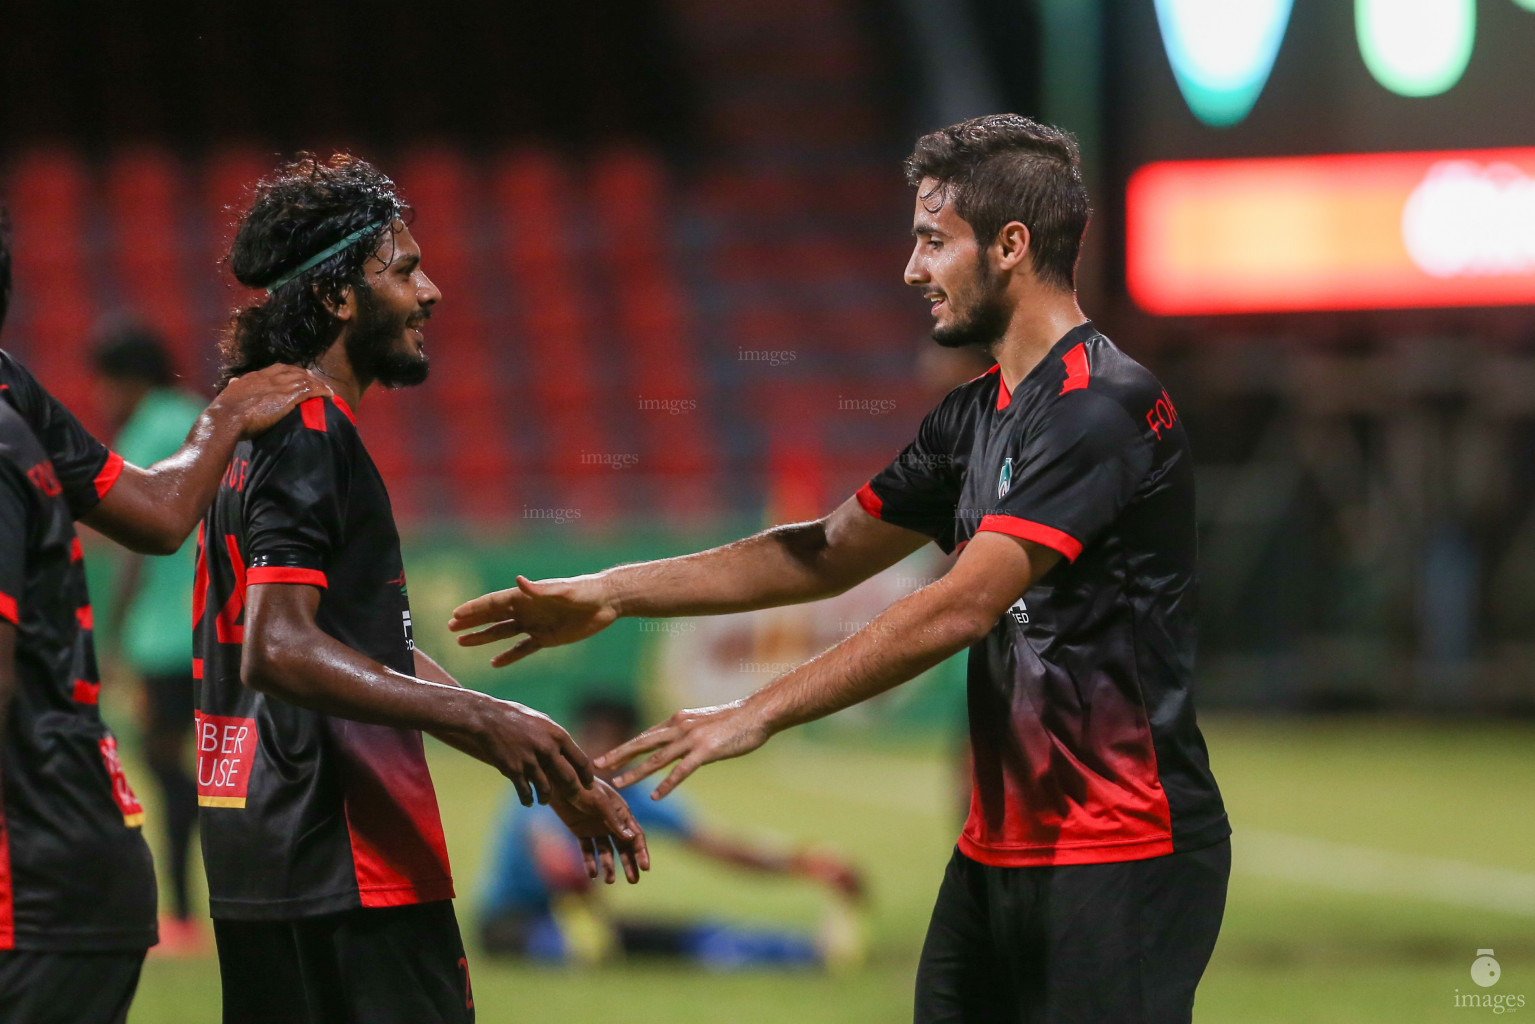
(227, 625)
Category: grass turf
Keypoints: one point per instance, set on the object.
(1302, 946)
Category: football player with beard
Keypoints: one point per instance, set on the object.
(328, 873)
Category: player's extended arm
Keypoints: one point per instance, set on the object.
(914, 634)
(783, 565)
(287, 655)
(152, 510)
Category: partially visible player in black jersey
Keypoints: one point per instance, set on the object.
(327, 869)
(77, 892)
(1089, 882)
(77, 888)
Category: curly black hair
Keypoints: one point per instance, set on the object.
(303, 208)
(1006, 167)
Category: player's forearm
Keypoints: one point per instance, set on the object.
(153, 510)
(908, 638)
(783, 565)
(315, 671)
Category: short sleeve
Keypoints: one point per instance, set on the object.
(920, 488)
(15, 504)
(86, 468)
(1077, 470)
(294, 508)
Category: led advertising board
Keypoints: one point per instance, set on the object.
(1362, 231)
(1326, 154)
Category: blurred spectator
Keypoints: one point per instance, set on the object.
(540, 904)
(135, 390)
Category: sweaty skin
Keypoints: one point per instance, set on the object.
(152, 511)
(781, 566)
(909, 637)
(784, 565)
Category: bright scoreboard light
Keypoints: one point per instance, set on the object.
(1362, 231)
(1282, 156)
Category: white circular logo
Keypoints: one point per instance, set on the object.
(1469, 220)
(1484, 969)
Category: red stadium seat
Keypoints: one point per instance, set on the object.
(50, 199)
(549, 307)
(628, 191)
(145, 190)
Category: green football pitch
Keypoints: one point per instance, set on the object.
(1372, 859)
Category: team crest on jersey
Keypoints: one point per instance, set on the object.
(1005, 481)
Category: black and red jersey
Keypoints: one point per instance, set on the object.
(304, 813)
(75, 872)
(86, 468)
(1081, 717)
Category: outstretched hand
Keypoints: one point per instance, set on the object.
(528, 747)
(601, 820)
(550, 612)
(693, 738)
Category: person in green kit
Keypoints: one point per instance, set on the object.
(136, 391)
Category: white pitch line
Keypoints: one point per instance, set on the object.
(1363, 869)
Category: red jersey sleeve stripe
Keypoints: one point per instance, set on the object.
(1039, 533)
(283, 574)
(1078, 373)
(313, 412)
(109, 474)
(871, 502)
(346, 410)
(8, 609)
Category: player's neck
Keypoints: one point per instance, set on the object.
(335, 369)
(1036, 325)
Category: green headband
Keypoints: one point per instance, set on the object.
(315, 261)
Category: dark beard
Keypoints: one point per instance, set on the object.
(985, 321)
(371, 347)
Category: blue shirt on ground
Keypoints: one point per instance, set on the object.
(513, 882)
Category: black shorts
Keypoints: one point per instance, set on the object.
(392, 965)
(1124, 943)
(67, 988)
